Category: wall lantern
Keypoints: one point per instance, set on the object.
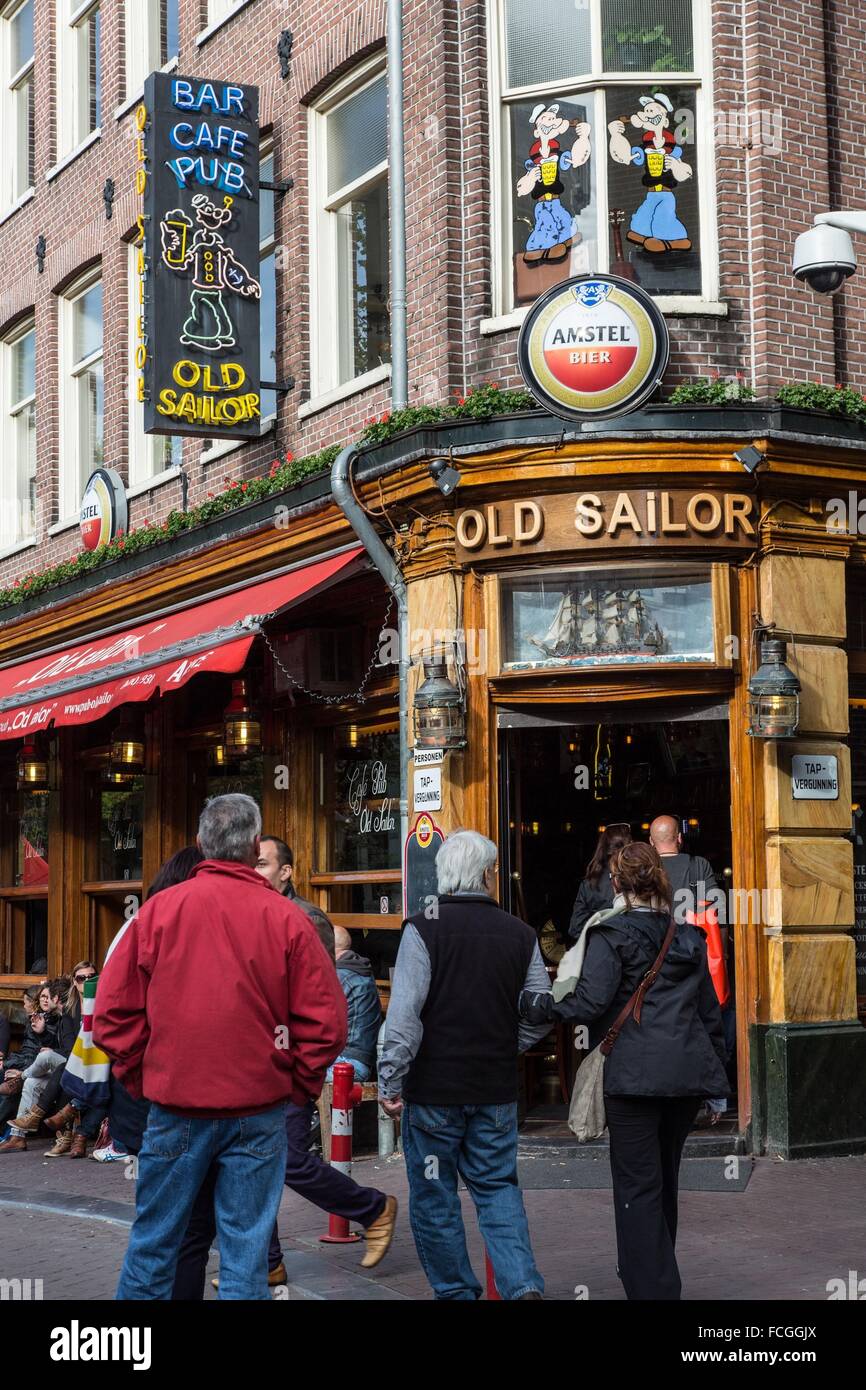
(774, 694)
(440, 714)
(126, 754)
(32, 768)
(217, 755)
(242, 732)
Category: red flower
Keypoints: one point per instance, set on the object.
(494, 385)
(461, 400)
(244, 487)
(210, 494)
(386, 417)
(289, 457)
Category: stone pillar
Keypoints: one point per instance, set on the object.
(813, 1049)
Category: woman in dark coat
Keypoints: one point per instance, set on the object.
(658, 1071)
(596, 890)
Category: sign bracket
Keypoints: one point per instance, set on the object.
(282, 187)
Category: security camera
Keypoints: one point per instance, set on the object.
(824, 257)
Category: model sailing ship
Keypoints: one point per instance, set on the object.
(611, 622)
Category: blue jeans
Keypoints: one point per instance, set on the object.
(249, 1158)
(479, 1144)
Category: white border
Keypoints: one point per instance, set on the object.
(217, 24)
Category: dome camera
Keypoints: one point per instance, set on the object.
(824, 258)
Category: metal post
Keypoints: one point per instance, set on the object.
(345, 1095)
(397, 206)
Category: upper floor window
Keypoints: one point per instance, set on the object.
(81, 389)
(148, 454)
(602, 119)
(18, 435)
(16, 101)
(350, 326)
(268, 282)
(151, 33)
(79, 39)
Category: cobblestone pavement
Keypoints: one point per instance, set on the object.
(793, 1228)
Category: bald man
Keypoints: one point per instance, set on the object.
(683, 870)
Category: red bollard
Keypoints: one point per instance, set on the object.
(345, 1096)
(492, 1291)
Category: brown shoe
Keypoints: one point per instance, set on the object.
(16, 1143)
(30, 1120)
(78, 1147)
(380, 1234)
(13, 1087)
(62, 1144)
(64, 1119)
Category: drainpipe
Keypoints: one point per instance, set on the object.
(341, 489)
(397, 206)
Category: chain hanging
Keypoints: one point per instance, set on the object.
(350, 696)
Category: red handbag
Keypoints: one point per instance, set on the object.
(706, 919)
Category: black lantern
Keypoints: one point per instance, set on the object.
(440, 718)
(242, 732)
(32, 768)
(774, 694)
(127, 747)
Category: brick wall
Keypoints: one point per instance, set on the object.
(804, 60)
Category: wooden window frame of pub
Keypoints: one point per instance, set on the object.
(596, 84)
(721, 581)
(13, 898)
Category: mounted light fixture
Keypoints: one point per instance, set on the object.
(774, 694)
(32, 767)
(440, 713)
(127, 746)
(116, 777)
(242, 732)
(217, 756)
(445, 475)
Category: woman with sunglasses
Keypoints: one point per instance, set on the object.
(596, 890)
(74, 1129)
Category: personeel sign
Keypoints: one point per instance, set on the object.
(593, 347)
(197, 347)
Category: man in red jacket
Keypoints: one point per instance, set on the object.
(219, 1004)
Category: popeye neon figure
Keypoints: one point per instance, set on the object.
(214, 269)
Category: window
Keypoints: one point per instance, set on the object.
(18, 397)
(149, 454)
(81, 391)
(16, 101)
(268, 281)
(601, 617)
(219, 9)
(78, 77)
(350, 327)
(600, 116)
(151, 35)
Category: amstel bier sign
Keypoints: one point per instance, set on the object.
(593, 347)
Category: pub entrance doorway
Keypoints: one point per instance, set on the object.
(564, 776)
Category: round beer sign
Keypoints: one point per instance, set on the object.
(103, 508)
(593, 347)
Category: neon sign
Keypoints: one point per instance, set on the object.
(197, 337)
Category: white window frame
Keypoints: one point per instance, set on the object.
(73, 119)
(13, 83)
(13, 531)
(504, 313)
(146, 462)
(268, 247)
(71, 477)
(324, 295)
(142, 43)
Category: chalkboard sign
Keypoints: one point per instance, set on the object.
(419, 865)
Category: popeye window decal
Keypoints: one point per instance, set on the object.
(600, 104)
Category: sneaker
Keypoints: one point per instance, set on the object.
(112, 1152)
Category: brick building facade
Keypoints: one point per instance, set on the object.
(785, 90)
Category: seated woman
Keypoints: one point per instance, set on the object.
(14, 1063)
(75, 1126)
(54, 1036)
(596, 890)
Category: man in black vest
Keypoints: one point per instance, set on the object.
(449, 1065)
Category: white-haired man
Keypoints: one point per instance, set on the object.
(449, 1065)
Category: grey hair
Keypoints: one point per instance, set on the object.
(463, 861)
(228, 827)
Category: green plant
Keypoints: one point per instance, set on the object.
(836, 400)
(707, 391)
(480, 403)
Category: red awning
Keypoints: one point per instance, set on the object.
(85, 682)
